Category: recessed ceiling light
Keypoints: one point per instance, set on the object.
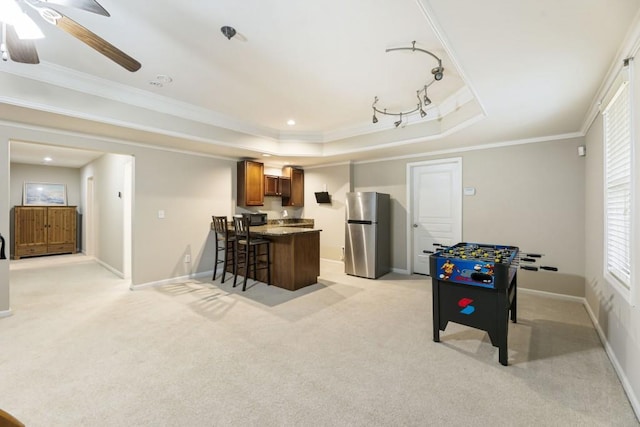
(291, 122)
(48, 159)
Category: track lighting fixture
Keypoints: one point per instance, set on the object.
(426, 99)
(423, 98)
(399, 122)
(437, 73)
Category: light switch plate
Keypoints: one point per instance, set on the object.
(161, 214)
(469, 191)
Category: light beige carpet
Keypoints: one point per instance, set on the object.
(82, 349)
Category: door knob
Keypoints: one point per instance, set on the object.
(415, 225)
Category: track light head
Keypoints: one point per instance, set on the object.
(228, 31)
(422, 113)
(399, 122)
(438, 72)
(375, 119)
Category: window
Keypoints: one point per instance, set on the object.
(618, 184)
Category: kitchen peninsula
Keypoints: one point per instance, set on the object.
(295, 253)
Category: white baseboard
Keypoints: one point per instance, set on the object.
(626, 385)
(333, 261)
(120, 274)
(546, 294)
(5, 313)
(179, 279)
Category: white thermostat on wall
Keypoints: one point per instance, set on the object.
(469, 191)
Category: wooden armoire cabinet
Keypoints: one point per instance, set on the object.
(44, 230)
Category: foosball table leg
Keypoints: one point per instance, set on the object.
(514, 303)
(436, 310)
(504, 355)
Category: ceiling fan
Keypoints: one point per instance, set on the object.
(19, 30)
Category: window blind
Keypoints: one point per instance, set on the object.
(617, 133)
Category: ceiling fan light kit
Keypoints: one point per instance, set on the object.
(18, 30)
(421, 94)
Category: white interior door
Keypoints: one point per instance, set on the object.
(436, 208)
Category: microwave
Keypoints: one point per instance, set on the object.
(256, 218)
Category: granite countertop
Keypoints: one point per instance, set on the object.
(281, 227)
(277, 230)
(291, 222)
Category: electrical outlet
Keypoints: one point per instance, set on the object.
(187, 258)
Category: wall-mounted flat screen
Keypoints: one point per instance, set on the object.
(323, 197)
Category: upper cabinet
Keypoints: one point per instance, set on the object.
(250, 183)
(277, 186)
(254, 185)
(296, 197)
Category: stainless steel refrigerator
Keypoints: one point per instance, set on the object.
(367, 234)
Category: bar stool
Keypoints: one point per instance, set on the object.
(225, 242)
(248, 252)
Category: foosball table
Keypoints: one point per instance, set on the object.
(475, 285)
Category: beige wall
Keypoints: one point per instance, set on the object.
(4, 220)
(616, 317)
(189, 189)
(109, 217)
(529, 195)
(336, 180)
(21, 173)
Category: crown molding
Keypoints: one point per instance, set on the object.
(110, 140)
(64, 77)
(479, 147)
(430, 17)
(628, 49)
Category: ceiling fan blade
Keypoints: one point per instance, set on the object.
(23, 51)
(88, 5)
(98, 43)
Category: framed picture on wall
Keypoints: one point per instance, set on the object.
(44, 194)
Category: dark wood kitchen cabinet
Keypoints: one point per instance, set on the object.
(44, 230)
(296, 197)
(277, 186)
(250, 183)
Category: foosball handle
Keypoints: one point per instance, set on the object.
(2, 255)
